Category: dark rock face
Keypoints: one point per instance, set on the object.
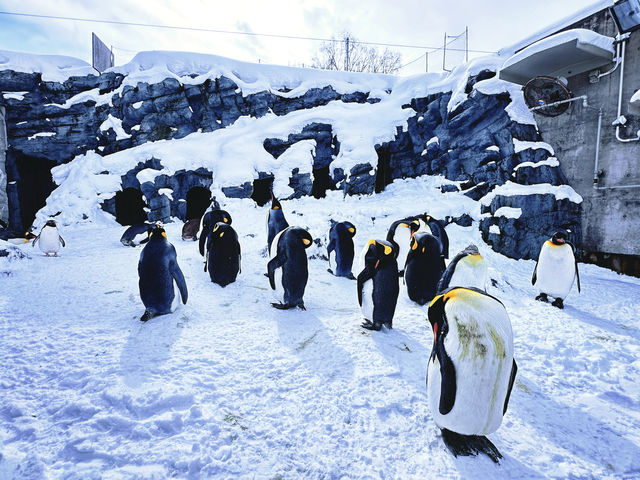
(473, 144)
(541, 216)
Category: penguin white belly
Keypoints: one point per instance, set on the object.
(277, 274)
(332, 260)
(175, 303)
(480, 345)
(49, 240)
(402, 237)
(556, 270)
(367, 300)
(470, 272)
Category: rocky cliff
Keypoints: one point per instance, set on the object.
(129, 129)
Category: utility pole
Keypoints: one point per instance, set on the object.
(426, 62)
(466, 44)
(444, 53)
(346, 60)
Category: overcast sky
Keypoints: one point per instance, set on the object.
(497, 24)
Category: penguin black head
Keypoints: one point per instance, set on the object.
(275, 204)
(437, 317)
(424, 242)
(348, 226)
(559, 238)
(222, 216)
(471, 250)
(379, 252)
(305, 237)
(219, 229)
(50, 223)
(156, 232)
(29, 235)
(414, 225)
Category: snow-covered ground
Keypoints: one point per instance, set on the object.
(228, 387)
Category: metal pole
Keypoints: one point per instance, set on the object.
(466, 44)
(346, 60)
(444, 52)
(426, 61)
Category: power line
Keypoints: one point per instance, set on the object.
(211, 30)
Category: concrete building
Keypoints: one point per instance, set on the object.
(601, 162)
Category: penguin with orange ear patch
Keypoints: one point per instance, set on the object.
(288, 269)
(556, 270)
(467, 269)
(157, 270)
(471, 369)
(223, 254)
(378, 285)
(423, 268)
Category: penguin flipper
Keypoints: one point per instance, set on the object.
(512, 379)
(448, 385)
(61, 241)
(364, 275)
(470, 445)
(35, 240)
(177, 275)
(578, 276)
(534, 277)
(273, 264)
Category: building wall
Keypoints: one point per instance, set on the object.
(610, 216)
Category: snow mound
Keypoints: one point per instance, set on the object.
(54, 68)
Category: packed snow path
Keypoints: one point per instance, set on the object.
(228, 387)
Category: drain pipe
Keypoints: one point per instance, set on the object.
(596, 173)
(619, 118)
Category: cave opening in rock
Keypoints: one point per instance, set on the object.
(198, 200)
(130, 207)
(34, 186)
(262, 188)
(383, 172)
(321, 182)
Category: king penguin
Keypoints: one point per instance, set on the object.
(223, 254)
(49, 239)
(423, 268)
(209, 219)
(288, 267)
(157, 270)
(399, 236)
(378, 285)
(467, 269)
(341, 250)
(555, 270)
(471, 370)
(275, 221)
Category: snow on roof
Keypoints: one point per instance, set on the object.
(195, 68)
(54, 68)
(557, 26)
(583, 37)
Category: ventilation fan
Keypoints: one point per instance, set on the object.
(543, 90)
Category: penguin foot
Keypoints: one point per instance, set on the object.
(470, 445)
(285, 306)
(146, 316)
(542, 297)
(371, 326)
(330, 271)
(558, 303)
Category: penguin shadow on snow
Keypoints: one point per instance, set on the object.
(405, 353)
(604, 324)
(573, 429)
(483, 467)
(149, 346)
(306, 336)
